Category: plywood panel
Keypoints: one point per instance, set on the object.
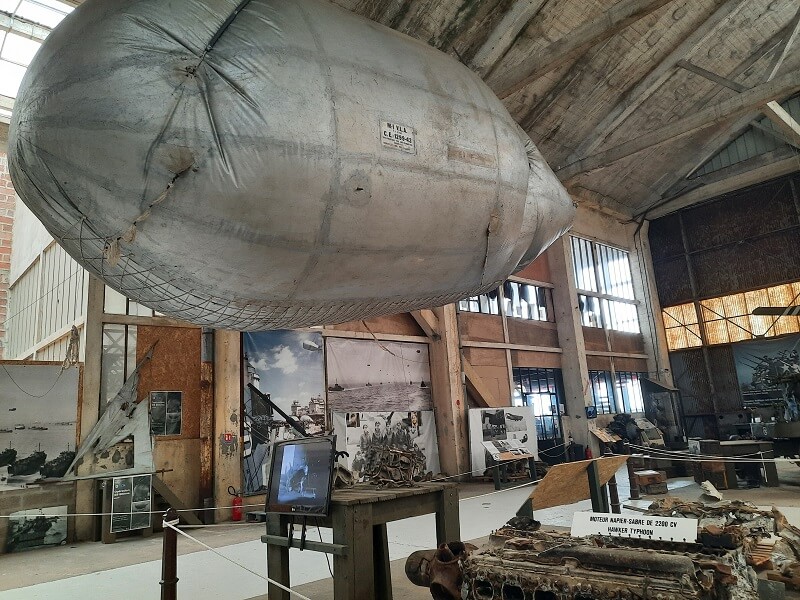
(594, 339)
(635, 365)
(630, 343)
(568, 483)
(541, 360)
(180, 460)
(175, 367)
(486, 357)
(480, 328)
(598, 363)
(532, 333)
(538, 270)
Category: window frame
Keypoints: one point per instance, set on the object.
(548, 425)
(597, 271)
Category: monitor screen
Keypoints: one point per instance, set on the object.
(300, 476)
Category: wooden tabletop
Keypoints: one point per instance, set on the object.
(365, 493)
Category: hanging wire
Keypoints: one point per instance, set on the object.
(26, 392)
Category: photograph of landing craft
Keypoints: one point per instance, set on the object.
(37, 426)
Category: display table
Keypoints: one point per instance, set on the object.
(500, 467)
(360, 545)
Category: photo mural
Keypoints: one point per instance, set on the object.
(359, 432)
(289, 366)
(371, 375)
(768, 372)
(498, 430)
(38, 412)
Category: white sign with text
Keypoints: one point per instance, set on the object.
(648, 527)
(397, 136)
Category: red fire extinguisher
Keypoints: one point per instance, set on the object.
(236, 505)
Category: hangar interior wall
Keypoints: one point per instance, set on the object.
(739, 242)
(478, 357)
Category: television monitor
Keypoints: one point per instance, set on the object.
(301, 476)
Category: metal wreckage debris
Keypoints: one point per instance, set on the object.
(736, 542)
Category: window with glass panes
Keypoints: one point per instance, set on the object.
(483, 303)
(602, 392)
(526, 301)
(539, 388)
(629, 391)
(605, 286)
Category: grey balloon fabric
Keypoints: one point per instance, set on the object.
(264, 164)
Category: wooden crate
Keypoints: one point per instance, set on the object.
(649, 477)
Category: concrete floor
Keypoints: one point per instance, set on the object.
(132, 568)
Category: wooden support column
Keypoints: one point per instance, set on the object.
(227, 417)
(207, 420)
(89, 409)
(447, 388)
(577, 387)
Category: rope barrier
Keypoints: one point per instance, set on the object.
(661, 454)
(230, 560)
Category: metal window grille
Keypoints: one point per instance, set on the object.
(486, 304)
(629, 390)
(602, 392)
(525, 301)
(540, 388)
(605, 282)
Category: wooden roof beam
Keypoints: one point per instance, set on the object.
(427, 321)
(788, 128)
(784, 122)
(504, 35)
(712, 115)
(725, 135)
(735, 182)
(614, 20)
(780, 57)
(653, 80)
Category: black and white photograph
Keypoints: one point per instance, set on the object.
(368, 375)
(165, 413)
(509, 429)
(414, 431)
(130, 503)
(289, 367)
(768, 372)
(29, 529)
(38, 410)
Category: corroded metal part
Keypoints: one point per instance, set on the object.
(545, 565)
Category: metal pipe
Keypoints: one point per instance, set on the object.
(169, 557)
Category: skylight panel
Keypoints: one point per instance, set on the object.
(10, 77)
(18, 49)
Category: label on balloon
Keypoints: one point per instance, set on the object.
(398, 137)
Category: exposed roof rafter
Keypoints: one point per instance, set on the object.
(617, 18)
(653, 80)
(505, 34)
(712, 115)
(746, 177)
